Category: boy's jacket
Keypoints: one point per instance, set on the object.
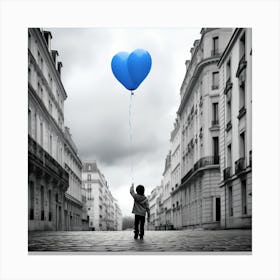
(141, 203)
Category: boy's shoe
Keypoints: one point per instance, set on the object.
(135, 235)
(141, 236)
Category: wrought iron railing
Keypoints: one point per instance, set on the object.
(38, 154)
(205, 161)
(228, 85)
(229, 126)
(227, 173)
(239, 165)
(242, 112)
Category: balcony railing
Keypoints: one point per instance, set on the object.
(227, 173)
(239, 165)
(211, 160)
(215, 52)
(229, 126)
(228, 86)
(215, 122)
(44, 159)
(242, 112)
(241, 66)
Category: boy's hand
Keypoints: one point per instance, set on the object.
(148, 219)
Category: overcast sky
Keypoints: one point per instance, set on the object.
(97, 107)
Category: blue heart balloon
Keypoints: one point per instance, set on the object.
(139, 65)
(131, 69)
(120, 71)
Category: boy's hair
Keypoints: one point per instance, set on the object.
(140, 189)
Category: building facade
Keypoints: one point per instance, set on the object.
(175, 141)
(197, 200)
(73, 207)
(47, 178)
(154, 199)
(165, 207)
(235, 67)
(101, 205)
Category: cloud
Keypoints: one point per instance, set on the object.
(97, 107)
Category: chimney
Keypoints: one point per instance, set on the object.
(48, 36)
(59, 66)
(54, 56)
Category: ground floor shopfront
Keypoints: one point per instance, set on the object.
(197, 202)
(47, 184)
(236, 200)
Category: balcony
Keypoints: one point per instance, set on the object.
(242, 112)
(241, 66)
(203, 162)
(38, 157)
(227, 173)
(229, 126)
(215, 52)
(240, 165)
(228, 86)
(211, 160)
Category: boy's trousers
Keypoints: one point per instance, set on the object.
(139, 220)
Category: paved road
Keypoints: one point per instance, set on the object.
(154, 241)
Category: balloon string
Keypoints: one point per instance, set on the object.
(130, 137)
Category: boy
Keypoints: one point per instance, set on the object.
(140, 207)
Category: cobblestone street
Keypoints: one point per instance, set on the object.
(154, 241)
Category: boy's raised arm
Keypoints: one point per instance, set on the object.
(132, 190)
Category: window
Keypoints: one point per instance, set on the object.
(230, 206)
(42, 204)
(228, 111)
(215, 114)
(29, 121)
(242, 46)
(35, 126)
(215, 45)
(244, 197)
(228, 70)
(218, 209)
(41, 134)
(216, 146)
(242, 145)
(50, 205)
(215, 80)
(32, 200)
(50, 145)
(229, 155)
(242, 96)
(89, 177)
(50, 107)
